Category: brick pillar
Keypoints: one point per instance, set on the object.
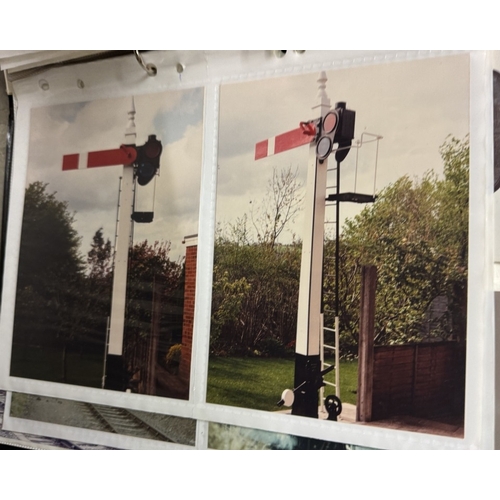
(191, 243)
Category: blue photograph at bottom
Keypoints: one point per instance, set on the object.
(230, 437)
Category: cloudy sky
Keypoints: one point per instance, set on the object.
(413, 105)
(176, 119)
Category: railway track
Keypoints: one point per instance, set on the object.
(121, 421)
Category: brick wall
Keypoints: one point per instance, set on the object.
(191, 243)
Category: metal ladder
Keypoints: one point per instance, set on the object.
(329, 221)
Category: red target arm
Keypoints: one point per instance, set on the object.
(305, 134)
(125, 155)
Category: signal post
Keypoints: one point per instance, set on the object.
(140, 165)
(334, 126)
(307, 354)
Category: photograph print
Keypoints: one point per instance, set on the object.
(341, 245)
(107, 259)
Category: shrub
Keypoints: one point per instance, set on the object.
(173, 358)
(271, 347)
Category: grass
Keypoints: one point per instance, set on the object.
(257, 383)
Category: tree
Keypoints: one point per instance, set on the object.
(416, 233)
(49, 244)
(256, 278)
(452, 228)
(153, 281)
(99, 257)
(50, 277)
(97, 289)
(279, 207)
(254, 297)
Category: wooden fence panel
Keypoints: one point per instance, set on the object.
(419, 379)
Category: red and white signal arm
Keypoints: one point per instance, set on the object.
(305, 134)
(125, 155)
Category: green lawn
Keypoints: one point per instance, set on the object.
(257, 383)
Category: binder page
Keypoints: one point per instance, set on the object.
(251, 249)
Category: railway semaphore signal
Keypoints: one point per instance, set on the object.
(334, 126)
(140, 165)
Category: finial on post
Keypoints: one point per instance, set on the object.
(130, 132)
(323, 101)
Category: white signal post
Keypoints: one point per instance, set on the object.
(311, 280)
(307, 348)
(122, 245)
(332, 126)
(126, 155)
(308, 368)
